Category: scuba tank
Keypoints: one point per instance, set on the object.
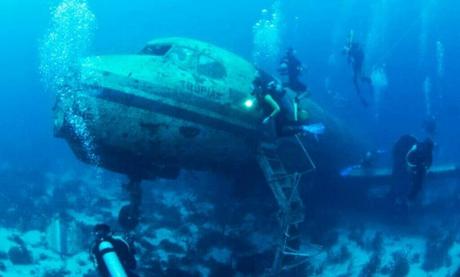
(111, 260)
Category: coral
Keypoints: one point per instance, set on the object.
(371, 267)
(210, 239)
(254, 265)
(57, 273)
(320, 269)
(20, 255)
(42, 257)
(91, 274)
(103, 202)
(437, 249)
(357, 235)
(308, 268)
(456, 273)
(321, 228)
(173, 216)
(171, 247)
(325, 238)
(151, 267)
(219, 269)
(330, 238)
(400, 267)
(179, 272)
(82, 263)
(239, 244)
(340, 256)
(376, 244)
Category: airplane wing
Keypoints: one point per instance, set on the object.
(382, 176)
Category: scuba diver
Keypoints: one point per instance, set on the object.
(112, 255)
(278, 107)
(419, 160)
(411, 162)
(355, 56)
(290, 69)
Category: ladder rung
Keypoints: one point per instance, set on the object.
(296, 220)
(276, 170)
(275, 164)
(279, 175)
(270, 159)
(295, 217)
(282, 186)
(283, 181)
(291, 266)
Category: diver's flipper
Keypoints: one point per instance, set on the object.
(346, 171)
(315, 129)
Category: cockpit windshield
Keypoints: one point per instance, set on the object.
(183, 57)
(211, 68)
(156, 49)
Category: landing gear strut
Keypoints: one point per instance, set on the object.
(129, 215)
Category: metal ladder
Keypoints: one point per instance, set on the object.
(284, 185)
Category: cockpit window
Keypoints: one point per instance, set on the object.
(211, 68)
(156, 49)
(183, 57)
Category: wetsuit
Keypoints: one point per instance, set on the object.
(123, 251)
(356, 58)
(401, 176)
(419, 160)
(291, 68)
(411, 161)
(284, 120)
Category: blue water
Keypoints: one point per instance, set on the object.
(399, 36)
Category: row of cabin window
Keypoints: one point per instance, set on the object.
(184, 56)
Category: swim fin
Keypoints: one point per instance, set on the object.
(315, 129)
(347, 171)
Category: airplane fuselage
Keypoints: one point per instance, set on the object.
(180, 104)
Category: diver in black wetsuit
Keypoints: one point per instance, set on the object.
(274, 102)
(290, 70)
(419, 160)
(355, 57)
(277, 106)
(113, 256)
(411, 161)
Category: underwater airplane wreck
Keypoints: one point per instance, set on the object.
(179, 104)
(185, 104)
